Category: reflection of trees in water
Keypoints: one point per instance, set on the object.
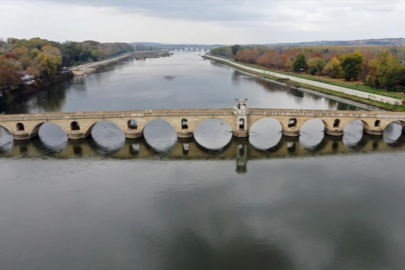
(332, 103)
(275, 87)
(344, 106)
(50, 99)
(297, 93)
(237, 76)
(54, 98)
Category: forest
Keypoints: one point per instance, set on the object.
(375, 66)
(44, 58)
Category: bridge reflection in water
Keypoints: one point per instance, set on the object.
(239, 149)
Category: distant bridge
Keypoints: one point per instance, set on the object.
(78, 125)
(205, 49)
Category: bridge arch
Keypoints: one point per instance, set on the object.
(6, 139)
(312, 133)
(213, 133)
(197, 123)
(132, 124)
(392, 133)
(353, 132)
(6, 128)
(366, 125)
(264, 117)
(20, 126)
(159, 134)
(265, 134)
(74, 126)
(34, 132)
(107, 136)
(165, 119)
(88, 129)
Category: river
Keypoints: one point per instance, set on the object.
(212, 202)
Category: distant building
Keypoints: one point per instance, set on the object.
(27, 78)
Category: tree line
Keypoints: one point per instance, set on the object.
(45, 58)
(376, 66)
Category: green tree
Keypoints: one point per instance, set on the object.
(351, 65)
(299, 63)
(94, 55)
(316, 64)
(386, 70)
(235, 49)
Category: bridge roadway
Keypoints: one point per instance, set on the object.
(79, 125)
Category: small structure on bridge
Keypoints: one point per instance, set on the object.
(241, 113)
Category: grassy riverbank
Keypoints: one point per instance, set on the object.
(389, 107)
(355, 85)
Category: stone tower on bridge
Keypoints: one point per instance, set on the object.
(241, 113)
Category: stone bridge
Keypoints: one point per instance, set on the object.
(79, 125)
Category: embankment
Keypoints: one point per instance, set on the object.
(92, 67)
(380, 101)
(89, 68)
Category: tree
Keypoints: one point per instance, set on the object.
(333, 68)
(94, 55)
(50, 60)
(299, 63)
(23, 56)
(316, 64)
(288, 64)
(351, 65)
(8, 72)
(235, 49)
(386, 70)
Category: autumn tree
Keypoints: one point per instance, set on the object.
(333, 68)
(299, 63)
(351, 65)
(8, 72)
(248, 55)
(23, 56)
(50, 60)
(386, 70)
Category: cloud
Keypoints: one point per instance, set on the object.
(186, 21)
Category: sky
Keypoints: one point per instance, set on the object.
(202, 22)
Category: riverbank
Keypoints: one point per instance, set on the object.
(92, 67)
(11, 96)
(386, 103)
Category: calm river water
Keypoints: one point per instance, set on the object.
(212, 202)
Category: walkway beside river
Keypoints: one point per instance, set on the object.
(347, 91)
(91, 67)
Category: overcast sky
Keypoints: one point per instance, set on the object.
(205, 22)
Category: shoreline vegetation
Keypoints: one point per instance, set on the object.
(368, 74)
(30, 66)
(236, 65)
